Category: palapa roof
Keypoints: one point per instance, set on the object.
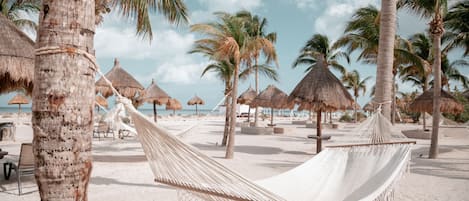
(247, 96)
(124, 83)
(322, 90)
(101, 101)
(18, 99)
(272, 97)
(154, 94)
(173, 104)
(368, 107)
(16, 58)
(195, 101)
(424, 103)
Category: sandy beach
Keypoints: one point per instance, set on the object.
(120, 171)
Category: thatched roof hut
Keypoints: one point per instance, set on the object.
(155, 95)
(16, 58)
(18, 99)
(173, 104)
(101, 101)
(124, 83)
(247, 96)
(424, 103)
(196, 101)
(272, 97)
(321, 91)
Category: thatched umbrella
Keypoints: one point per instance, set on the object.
(18, 99)
(273, 98)
(424, 103)
(246, 98)
(124, 83)
(196, 101)
(99, 100)
(173, 104)
(368, 107)
(16, 58)
(322, 91)
(155, 95)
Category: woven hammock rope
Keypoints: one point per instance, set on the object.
(183, 166)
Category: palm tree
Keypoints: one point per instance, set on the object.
(451, 72)
(458, 27)
(63, 96)
(435, 9)
(12, 9)
(319, 47)
(352, 81)
(229, 39)
(259, 41)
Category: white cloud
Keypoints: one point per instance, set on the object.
(229, 6)
(332, 15)
(186, 72)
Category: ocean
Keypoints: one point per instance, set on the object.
(147, 111)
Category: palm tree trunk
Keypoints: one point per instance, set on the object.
(436, 28)
(393, 101)
(256, 113)
(63, 100)
(231, 136)
(355, 110)
(227, 116)
(385, 55)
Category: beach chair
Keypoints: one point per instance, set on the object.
(25, 166)
(102, 128)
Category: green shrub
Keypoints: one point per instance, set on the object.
(464, 116)
(346, 118)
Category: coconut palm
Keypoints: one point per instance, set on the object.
(229, 38)
(64, 90)
(435, 9)
(450, 71)
(352, 81)
(458, 27)
(13, 9)
(319, 47)
(260, 41)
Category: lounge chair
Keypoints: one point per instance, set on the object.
(25, 166)
(103, 128)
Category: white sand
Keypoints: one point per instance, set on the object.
(120, 171)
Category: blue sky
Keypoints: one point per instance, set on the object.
(165, 59)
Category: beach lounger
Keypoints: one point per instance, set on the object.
(25, 166)
(102, 128)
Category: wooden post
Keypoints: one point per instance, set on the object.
(249, 115)
(318, 132)
(196, 111)
(154, 111)
(271, 116)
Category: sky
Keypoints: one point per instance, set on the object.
(166, 60)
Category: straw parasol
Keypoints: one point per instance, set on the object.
(246, 98)
(173, 104)
(124, 83)
(16, 58)
(18, 99)
(196, 101)
(155, 95)
(274, 98)
(424, 103)
(322, 91)
(101, 101)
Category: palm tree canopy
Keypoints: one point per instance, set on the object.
(424, 8)
(457, 24)
(319, 48)
(13, 10)
(352, 81)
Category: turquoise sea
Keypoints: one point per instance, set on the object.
(148, 111)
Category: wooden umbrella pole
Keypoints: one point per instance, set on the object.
(271, 116)
(318, 131)
(19, 108)
(154, 111)
(249, 114)
(196, 110)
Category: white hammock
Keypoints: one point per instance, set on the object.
(351, 173)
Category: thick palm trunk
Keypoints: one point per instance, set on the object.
(63, 98)
(227, 119)
(231, 135)
(436, 30)
(256, 113)
(385, 56)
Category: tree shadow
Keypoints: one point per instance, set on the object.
(119, 158)
(249, 149)
(442, 166)
(107, 181)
